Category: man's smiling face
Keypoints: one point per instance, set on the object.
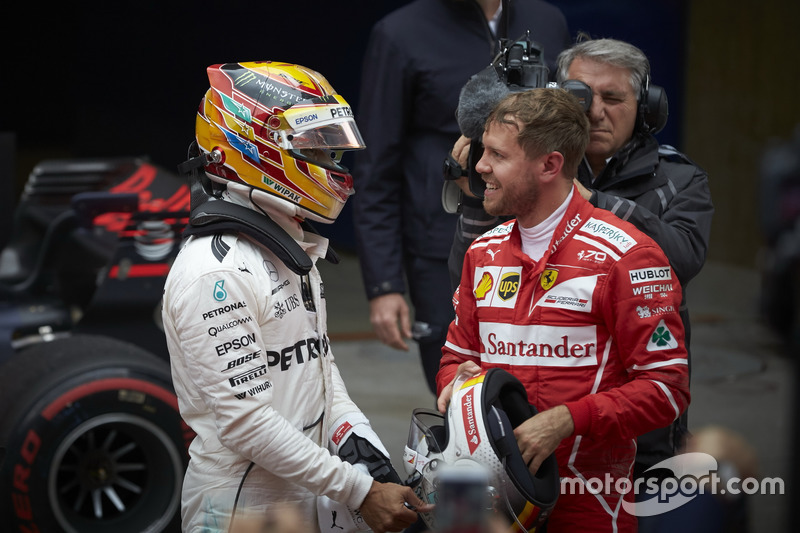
(511, 185)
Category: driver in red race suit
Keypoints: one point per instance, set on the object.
(579, 305)
(245, 319)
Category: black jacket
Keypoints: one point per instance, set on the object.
(661, 192)
(665, 195)
(417, 60)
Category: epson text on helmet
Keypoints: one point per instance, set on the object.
(306, 118)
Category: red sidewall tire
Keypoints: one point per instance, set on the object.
(93, 439)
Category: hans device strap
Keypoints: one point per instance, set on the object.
(216, 216)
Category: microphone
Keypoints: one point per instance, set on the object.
(478, 97)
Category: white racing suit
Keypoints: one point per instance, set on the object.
(257, 382)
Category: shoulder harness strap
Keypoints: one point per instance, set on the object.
(216, 216)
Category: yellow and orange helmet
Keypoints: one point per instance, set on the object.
(280, 128)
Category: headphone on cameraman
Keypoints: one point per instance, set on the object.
(653, 109)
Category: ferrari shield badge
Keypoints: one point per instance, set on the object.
(548, 278)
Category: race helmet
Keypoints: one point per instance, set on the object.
(474, 439)
(279, 128)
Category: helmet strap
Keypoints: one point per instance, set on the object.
(200, 187)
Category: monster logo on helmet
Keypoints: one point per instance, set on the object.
(279, 128)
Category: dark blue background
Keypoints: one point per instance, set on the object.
(89, 79)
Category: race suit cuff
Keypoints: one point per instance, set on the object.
(353, 423)
(581, 412)
(362, 483)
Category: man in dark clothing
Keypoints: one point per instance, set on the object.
(417, 60)
(656, 188)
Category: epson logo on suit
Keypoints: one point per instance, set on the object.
(644, 275)
(235, 344)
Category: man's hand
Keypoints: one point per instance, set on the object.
(465, 371)
(541, 434)
(586, 193)
(460, 153)
(384, 507)
(391, 319)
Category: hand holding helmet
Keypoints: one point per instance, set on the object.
(382, 511)
(466, 370)
(539, 436)
(475, 437)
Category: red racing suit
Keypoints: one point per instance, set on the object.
(592, 325)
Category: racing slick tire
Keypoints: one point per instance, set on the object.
(91, 439)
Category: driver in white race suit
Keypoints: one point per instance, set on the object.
(245, 320)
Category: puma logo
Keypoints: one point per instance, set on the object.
(334, 524)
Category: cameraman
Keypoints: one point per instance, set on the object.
(656, 188)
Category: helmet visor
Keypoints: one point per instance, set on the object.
(325, 123)
(342, 135)
(426, 433)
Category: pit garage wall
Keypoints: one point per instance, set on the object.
(742, 92)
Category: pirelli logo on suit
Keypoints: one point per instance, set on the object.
(534, 345)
